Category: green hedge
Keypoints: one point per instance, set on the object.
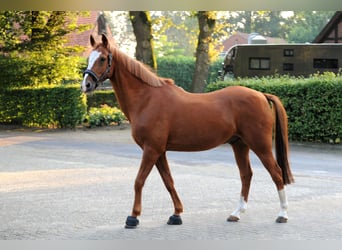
(101, 97)
(62, 106)
(181, 70)
(313, 105)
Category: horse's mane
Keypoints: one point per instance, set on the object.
(138, 69)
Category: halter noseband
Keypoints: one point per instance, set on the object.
(105, 74)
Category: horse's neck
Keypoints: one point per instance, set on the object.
(130, 92)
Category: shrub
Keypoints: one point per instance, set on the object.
(104, 116)
(101, 97)
(181, 70)
(61, 106)
(313, 105)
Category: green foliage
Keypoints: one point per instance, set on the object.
(306, 25)
(8, 33)
(181, 70)
(313, 105)
(266, 23)
(12, 77)
(174, 32)
(37, 30)
(214, 68)
(104, 116)
(35, 48)
(34, 68)
(102, 97)
(58, 106)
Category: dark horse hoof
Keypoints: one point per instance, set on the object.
(131, 222)
(281, 219)
(233, 218)
(175, 220)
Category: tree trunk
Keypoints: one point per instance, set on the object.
(206, 22)
(142, 29)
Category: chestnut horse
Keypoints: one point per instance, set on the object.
(164, 117)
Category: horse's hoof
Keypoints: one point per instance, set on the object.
(233, 218)
(131, 222)
(175, 220)
(281, 219)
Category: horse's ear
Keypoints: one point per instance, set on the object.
(104, 40)
(92, 41)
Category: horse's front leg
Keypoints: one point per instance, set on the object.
(149, 158)
(165, 173)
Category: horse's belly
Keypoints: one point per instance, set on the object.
(190, 147)
(193, 141)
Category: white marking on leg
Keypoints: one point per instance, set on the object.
(283, 204)
(242, 207)
(94, 55)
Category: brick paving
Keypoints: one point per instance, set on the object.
(79, 185)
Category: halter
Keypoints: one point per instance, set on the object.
(105, 74)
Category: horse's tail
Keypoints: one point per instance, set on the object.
(281, 138)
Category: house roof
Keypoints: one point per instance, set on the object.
(332, 31)
(242, 38)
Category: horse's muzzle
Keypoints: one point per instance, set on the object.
(88, 85)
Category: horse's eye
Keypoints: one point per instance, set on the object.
(103, 59)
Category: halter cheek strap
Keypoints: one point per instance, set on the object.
(104, 76)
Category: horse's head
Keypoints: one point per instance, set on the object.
(99, 65)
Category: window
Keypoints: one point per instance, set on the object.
(288, 52)
(319, 63)
(259, 63)
(288, 67)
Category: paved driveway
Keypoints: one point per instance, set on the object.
(79, 185)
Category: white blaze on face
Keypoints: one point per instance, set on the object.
(92, 59)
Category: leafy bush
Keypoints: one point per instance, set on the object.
(313, 105)
(101, 97)
(181, 70)
(50, 106)
(104, 116)
(34, 68)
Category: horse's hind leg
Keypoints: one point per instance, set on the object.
(241, 152)
(273, 168)
(165, 173)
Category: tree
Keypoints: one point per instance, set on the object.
(142, 28)
(9, 36)
(175, 33)
(122, 30)
(206, 23)
(267, 23)
(306, 25)
(34, 42)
